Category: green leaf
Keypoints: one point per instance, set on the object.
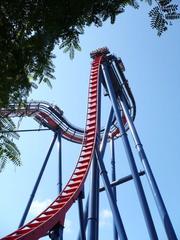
(47, 81)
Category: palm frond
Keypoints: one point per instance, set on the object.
(8, 149)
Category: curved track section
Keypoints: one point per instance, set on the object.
(53, 118)
(55, 213)
(48, 115)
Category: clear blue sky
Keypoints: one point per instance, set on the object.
(153, 70)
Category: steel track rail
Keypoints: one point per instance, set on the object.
(49, 116)
(52, 116)
(55, 213)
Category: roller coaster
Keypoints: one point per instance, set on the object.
(107, 73)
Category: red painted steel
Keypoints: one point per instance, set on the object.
(55, 213)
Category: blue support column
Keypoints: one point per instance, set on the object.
(113, 178)
(137, 181)
(60, 163)
(85, 218)
(81, 217)
(112, 202)
(100, 153)
(102, 147)
(37, 182)
(56, 232)
(106, 132)
(60, 230)
(93, 214)
(152, 182)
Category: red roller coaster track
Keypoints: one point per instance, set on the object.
(107, 70)
(55, 213)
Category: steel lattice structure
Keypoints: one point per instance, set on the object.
(107, 72)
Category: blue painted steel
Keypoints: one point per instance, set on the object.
(60, 230)
(137, 181)
(113, 177)
(85, 217)
(103, 172)
(81, 217)
(102, 147)
(122, 180)
(93, 214)
(106, 132)
(112, 202)
(60, 163)
(37, 182)
(151, 179)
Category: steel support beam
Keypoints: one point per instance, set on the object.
(59, 162)
(151, 179)
(122, 180)
(93, 214)
(149, 174)
(113, 178)
(100, 153)
(37, 182)
(112, 202)
(60, 230)
(102, 147)
(81, 217)
(130, 157)
(25, 130)
(85, 218)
